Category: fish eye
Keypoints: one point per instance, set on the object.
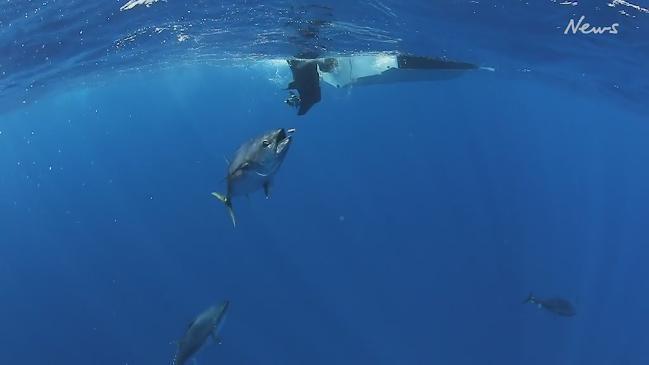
(265, 143)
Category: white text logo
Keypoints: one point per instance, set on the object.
(587, 28)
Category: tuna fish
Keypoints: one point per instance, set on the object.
(254, 165)
(207, 324)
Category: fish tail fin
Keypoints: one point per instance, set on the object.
(530, 299)
(228, 204)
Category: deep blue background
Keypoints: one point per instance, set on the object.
(406, 226)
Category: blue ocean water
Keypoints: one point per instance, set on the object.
(406, 226)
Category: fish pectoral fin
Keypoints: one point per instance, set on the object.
(267, 190)
(228, 204)
(261, 174)
(223, 199)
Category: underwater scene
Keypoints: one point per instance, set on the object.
(324, 182)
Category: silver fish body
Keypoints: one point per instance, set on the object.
(254, 166)
(206, 324)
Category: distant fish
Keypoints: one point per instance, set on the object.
(254, 166)
(207, 324)
(557, 306)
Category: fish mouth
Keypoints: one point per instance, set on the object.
(283, 139)
(284, 133)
